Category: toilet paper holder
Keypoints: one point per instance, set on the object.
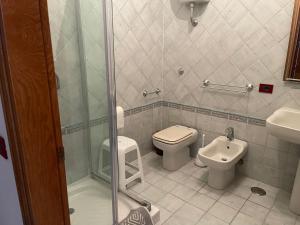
(146, 92)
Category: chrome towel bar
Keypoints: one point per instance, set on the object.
(230, 88)
(146, 92)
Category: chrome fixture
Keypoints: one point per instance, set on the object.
(230, 88)
(180, 71)
(194, 21)
(146, 92)
(192, 5)
(229, 132)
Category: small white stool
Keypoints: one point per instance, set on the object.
(125, 146)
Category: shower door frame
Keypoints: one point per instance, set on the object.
(26, 63)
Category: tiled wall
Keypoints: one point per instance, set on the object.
(64, 34)
(236, 42)
(138, 29)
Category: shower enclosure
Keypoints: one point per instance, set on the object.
(84, 70)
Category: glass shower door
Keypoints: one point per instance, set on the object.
(78, 32)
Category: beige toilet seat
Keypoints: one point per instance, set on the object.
(173, 135)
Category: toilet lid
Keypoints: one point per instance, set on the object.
(173, 134)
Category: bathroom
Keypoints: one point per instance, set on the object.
(161, 63)
(178, 112)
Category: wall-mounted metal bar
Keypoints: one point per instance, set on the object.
(230, 88)
(146, 92)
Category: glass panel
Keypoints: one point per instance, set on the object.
(77, 33)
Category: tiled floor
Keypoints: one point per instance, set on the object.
(184, 198)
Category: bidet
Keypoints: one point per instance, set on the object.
(221, 156)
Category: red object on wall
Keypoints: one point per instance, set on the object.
(266, 88)
(3, 151)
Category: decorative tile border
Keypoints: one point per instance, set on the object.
(208, 112)
(217, 113)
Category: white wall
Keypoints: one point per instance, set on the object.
(10, 213)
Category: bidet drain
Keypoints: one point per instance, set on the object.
(259, 191)
(71, 211)
(224, 159)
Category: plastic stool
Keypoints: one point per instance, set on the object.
(125, 146)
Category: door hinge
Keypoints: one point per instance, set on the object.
(61, 153)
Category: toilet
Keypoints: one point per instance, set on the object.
(221, 156)
(174, 142)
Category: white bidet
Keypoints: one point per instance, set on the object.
(221, 156)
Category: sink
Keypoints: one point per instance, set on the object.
(285, 124)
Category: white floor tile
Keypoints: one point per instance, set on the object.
(164, 215)
(171, 203)
(189, 168)
(189, 197)
(202, 201)
(153, 194)
(279, 218)
(282, 202)
(240, 190)
(242, 219)
(177, 176)
(140, 187)
(183, 192)
(255, 210)
(223, 212)
(165, 184)
(175, 221)
(153, 177)
(210, 192)
(190, 214)
(246, 181)
(232, 200)
(194, 183)
(266, 201)
(208, 219)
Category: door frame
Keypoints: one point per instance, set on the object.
(30, 105)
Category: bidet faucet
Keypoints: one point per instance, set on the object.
(229, 132)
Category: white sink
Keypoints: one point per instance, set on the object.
(285, 124)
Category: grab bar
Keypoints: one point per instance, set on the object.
(146, 92)
(247, 88)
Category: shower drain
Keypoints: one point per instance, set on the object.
(71, 211)
(259, 191)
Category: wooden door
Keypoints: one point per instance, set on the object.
(28, 92)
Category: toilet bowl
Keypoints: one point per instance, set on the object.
(221, 156)
(174, 142)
